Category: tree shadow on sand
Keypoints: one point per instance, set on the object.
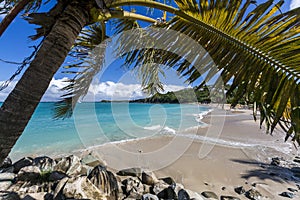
(277, 173)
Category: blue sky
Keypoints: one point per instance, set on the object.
(15, 44)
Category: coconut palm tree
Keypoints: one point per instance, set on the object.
(255, 45)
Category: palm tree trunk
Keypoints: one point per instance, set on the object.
(19, 106)
(12, 15)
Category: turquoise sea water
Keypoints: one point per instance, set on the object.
(99, 123)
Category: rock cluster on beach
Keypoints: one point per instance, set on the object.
(70, 178)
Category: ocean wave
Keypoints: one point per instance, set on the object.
(200, 116)
(167, 130)
(154, 127)
(217, 141)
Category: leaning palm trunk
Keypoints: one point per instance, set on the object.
(19, 106)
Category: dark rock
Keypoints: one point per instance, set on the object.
(133, 188)
(9, 196)
(44, 163)
(105, 181)
(22, 163)
(253, 194)
(6, 163)
(275, 161)
(38, 196)
(149, 197)
(56, 176)
(297, 160)
(287, 194)
(229, 198)
(296, 171)
(223, 188)
(135, 172)
(209, 194)
(183, 195)
(149, 178)
(160, 186)
(292, 190)
(240, 190)
(48, 196)
(273, 174)
(167, 193)
(168, 180)
(29, 173)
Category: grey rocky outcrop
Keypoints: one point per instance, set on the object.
(70, 178)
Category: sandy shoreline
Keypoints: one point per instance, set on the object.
(229, 151)
(238, 155)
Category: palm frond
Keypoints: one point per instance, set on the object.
(84, 69)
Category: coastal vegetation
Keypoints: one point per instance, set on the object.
(255, 46)
(195, 95)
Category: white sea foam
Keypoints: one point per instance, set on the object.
(217, 141)
(155, 127)
(168, 130)
(200, 116)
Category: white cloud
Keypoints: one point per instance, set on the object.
(294, 4)
(98, 91)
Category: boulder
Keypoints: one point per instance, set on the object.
(7, 176)
(7, 163)
(58, 191)
(37, 196)
(183, 195)
(149, 178)
(44, 163)
(194, 195)
(6, 180)
(240, 190)
(292, 190)
(105, 181)
(26, 161)
(149, 197)
(287, 194)
(168, 180)
(253, 194)
(135, 172)
(133, 188)
(275, 161)
(209, 194)
(229, 198)
(9, 196)
(160, 186)
(82, 188)
(70, 165)
(56, 176)
(92, 161)
(167, 193)
(29, 173)
(297, 160)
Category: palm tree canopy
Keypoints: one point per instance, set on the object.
(254, 46)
